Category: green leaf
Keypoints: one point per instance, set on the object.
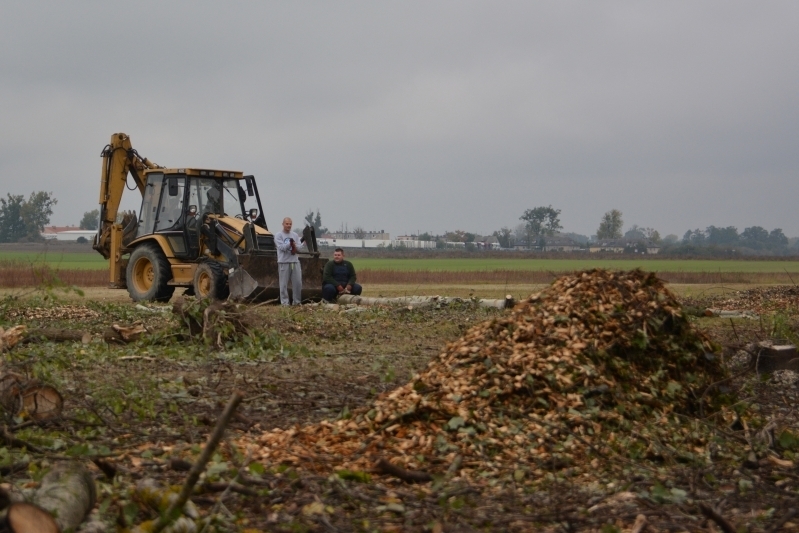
(257, 469)
(455, 422)
(788, 440)
(673, 388)
(660, 493)
(678, 495)
(354, 475)
(214, 469)
(79, 449)
(130, 512)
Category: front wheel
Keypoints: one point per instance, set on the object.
(148, 275)
(210, 281)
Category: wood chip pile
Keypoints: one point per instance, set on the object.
(549, 385)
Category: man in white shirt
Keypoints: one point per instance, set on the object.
(288, 263)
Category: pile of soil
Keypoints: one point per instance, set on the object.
(572, 374)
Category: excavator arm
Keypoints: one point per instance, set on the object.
(119, 160)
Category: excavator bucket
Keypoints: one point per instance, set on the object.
(256, 278)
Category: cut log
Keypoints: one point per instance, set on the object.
(41, 402)
(117, 334)
(68, 493)
(29, 397)
(775, 357)
(58, 335)
(427, 301)
(28, 518)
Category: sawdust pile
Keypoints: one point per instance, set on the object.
(549, 385)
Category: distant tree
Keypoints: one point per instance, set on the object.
(359, 232)
(504, 236)
(456, 236)
(12, 227)
(754, 235)
(541, 221)
(36, 213)
(635, 232)
(425, 236)
(777, 238)
(22, 219)
(670, 239)
(577, 237)
(722, 236)
(696, 236)
(610, 226)
(469, 237)
(652, 234)
(90, 220)
(315, 222)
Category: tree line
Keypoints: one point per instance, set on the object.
(24, 219)
(541, 223)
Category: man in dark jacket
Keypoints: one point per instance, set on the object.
(339, 277)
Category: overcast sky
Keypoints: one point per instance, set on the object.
(409, 116)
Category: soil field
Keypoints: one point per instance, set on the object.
(140, 405)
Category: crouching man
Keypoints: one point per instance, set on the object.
(339, 278)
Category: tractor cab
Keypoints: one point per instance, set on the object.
(178, 202)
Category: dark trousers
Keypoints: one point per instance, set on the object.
(330, 292)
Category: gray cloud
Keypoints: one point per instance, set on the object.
(419, 116)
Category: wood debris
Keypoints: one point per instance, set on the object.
(539, 389)
(10, 337)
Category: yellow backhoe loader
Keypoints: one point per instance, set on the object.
(201, 229)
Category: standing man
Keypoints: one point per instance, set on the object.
(339, 278)
(288, 264)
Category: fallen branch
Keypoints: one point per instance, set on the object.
(408, 476)
(232, 487)
(722, 522)
(194, 475)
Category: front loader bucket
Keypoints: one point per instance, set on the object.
(256, 278)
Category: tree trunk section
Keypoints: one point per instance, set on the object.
(27, 518)
(426, 301)
(68, 493)
(58, 335)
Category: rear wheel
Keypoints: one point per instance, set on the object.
(210, 281)
(148, 275)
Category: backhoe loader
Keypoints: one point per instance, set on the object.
(202, 229)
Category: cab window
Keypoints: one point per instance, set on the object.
(170, 210)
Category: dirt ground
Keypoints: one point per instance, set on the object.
(139, 405)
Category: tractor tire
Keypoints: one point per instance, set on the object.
(210, 281)
(148, 275)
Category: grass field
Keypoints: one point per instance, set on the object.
(59, 260)
(91, 261)
(566, 265)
